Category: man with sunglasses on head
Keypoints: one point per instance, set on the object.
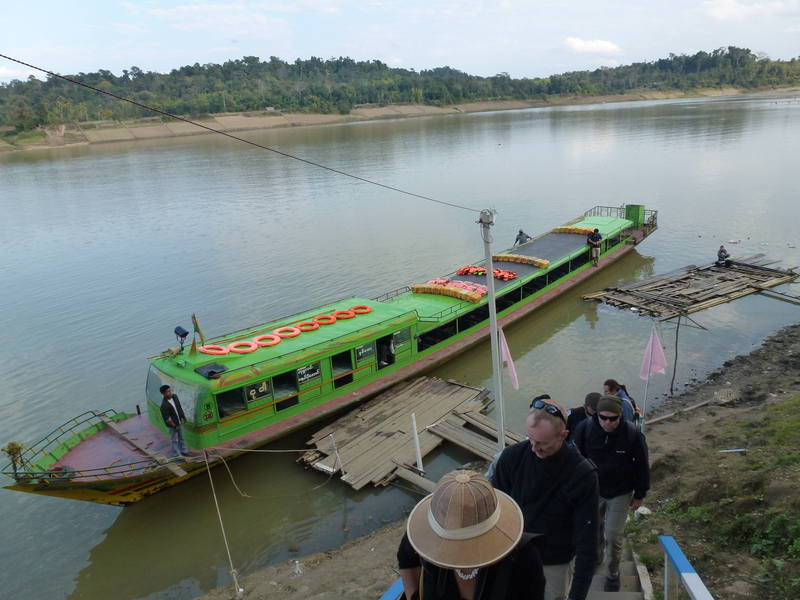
(619, 450)
(557, 491)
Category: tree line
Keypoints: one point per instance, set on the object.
(339, 84)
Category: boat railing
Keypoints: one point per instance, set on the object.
(617, 212)
(79, 427)
(393, 294)
(651, 219)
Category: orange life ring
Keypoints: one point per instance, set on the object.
(287, 332)
(215, 349)
(268, 339)
(324, 319)
(243, 347)
(361, 309)
(307, 325)
(344, 314)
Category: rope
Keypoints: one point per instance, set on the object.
(257, 145)
(238, 588)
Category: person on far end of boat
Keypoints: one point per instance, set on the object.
(723, 258)
(172, 413)
(619, 450)
(557, 490)
(593, 239)
(587, 411)
(611, 387)
(521, 238)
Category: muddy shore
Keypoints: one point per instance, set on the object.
(364, 568)
(77, 134)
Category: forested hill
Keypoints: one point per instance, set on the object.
(336, 85)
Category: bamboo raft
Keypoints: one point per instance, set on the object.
(374, 443)
(692, 289)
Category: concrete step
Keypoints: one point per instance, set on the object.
(627, 583)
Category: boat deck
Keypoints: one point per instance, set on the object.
(103, 455)
(692, 289)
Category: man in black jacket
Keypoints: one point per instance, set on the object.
(557, 491)
(172, 413)
(619, 450)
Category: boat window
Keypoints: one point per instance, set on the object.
(187, 393)
(473, 317)
(580, 260)
(558, 272)
(402, 337)
(342, 368)
(386, 351)
(534, 285)
(230, 402)
(508, 299)
(285, 384)
(436, 335)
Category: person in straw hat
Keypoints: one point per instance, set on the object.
(465, 542)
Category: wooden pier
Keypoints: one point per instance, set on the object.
(691, 289)
(374, 443)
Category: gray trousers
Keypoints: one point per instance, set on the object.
(613, 513)
(558, 579)
(176, 438)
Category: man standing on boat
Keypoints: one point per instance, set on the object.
(557, 490)
(521, 238)
(619, 450)
(593, 239)
(172, 413)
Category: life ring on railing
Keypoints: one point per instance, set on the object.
(261, 340)
(307, 326)
(361, 309)
(243, 347)
(214, 349)
(324, 319)
(287, 332)
(344, 314)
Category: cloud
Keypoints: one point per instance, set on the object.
(582, 46)
(733, 10)
(9, 73)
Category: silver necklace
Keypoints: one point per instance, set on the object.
(467, 576)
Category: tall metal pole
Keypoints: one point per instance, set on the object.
(486, 221)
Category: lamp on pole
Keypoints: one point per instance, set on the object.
(486, 220)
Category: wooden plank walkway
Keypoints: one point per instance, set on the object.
(374, 443)
(134, 441)
(692, 289)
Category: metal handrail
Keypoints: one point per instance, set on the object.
(675, 561)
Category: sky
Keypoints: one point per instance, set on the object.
(524, 38)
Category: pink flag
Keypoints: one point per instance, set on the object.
(512, 371)
(653, 360)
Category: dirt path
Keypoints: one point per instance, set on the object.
(739, 391)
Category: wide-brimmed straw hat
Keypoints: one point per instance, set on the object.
(465, 523)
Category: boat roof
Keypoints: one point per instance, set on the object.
(344, 333)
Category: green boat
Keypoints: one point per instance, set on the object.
(252, 386)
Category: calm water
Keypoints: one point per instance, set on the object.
(105, 249)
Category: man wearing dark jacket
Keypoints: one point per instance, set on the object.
(557, 491)
(619, 450)
(172, 413)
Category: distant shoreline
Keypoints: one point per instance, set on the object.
(81, 134)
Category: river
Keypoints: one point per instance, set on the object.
(105, 249)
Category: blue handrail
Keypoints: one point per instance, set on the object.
(393, 593)
(674, 558)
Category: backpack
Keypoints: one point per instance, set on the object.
(633, 402)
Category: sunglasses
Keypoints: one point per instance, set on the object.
(549, 408)
(605, 418)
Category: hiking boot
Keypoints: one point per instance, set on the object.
(612, 584)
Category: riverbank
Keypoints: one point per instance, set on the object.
(103, 132)
(733, 513)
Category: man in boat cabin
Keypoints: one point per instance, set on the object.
(172, 413)
(619, 450)
(557, 490)
(593, 239)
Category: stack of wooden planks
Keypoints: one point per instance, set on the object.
(692, 289)
(373, 442)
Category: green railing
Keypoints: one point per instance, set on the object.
(62, 439)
